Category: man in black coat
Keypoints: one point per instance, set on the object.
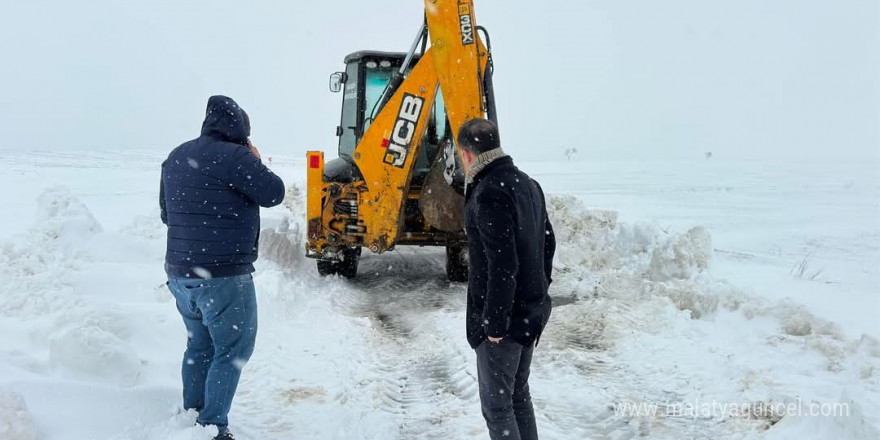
(511, 247)
(211, 192)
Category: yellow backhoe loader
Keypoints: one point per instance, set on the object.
(398, 179)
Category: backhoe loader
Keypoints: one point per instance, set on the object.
(397, 179)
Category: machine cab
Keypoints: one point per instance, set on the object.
(364, 82)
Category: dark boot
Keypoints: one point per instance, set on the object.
(225, 435)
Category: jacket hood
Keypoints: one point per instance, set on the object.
(226, 121)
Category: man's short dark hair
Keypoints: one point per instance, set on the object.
(479, 136)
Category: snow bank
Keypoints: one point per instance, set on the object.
(282, 245)
(91, 350)
(146, 227)
(593, 240)
(38, 269)
(63, 216)
(682, 257)
(15, 420)
(597, 256)
(645, 286)
(609, 276)
(35, 265)
(285, 243)
(602, 260)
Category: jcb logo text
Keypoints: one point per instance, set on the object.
(404, 130)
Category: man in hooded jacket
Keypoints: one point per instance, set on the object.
(211, 192)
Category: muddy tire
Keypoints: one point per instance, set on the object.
(457, 262)
(346, 268)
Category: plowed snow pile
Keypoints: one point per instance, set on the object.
(91, 341)
(683, 336)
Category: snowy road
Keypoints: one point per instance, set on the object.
(646, 312)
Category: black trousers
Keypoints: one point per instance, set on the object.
(503, 373)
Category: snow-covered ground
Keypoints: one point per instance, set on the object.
(719, 280)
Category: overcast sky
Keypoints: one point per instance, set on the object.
(613, 78)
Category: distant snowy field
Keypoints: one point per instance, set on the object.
(676, 282)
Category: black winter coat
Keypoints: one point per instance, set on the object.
(210, 197)
(511, 246)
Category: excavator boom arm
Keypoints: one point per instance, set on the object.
(386, 154)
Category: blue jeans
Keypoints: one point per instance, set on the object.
(220, 315)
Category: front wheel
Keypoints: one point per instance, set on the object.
(346, 268)
(457, 262)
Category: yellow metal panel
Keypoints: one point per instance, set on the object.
(387, 152)
(460, 58)
(314, 188)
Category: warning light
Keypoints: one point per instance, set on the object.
(385, 143)
(314, 161)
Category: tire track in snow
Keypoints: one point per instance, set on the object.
(424, 380)
(426, 377)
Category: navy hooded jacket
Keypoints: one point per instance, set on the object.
(211, 192)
